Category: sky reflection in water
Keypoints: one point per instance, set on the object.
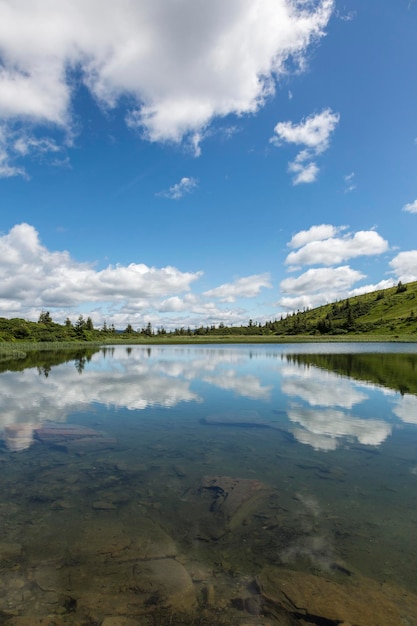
(320, 408)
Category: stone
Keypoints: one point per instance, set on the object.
(52, 433)
(360, 601)
(129, 541)
(166, 583)
(232, 498)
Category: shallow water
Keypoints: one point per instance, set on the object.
(159, 482)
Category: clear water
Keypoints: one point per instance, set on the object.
(203, 466)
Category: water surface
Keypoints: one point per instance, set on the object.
(155, 483)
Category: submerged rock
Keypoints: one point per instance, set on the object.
(220, 504)
(50, 433)
(166, 583)
(241, 419)
(361, 602)
(231, 498)
(73, 437)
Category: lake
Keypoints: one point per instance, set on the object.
(249, 485)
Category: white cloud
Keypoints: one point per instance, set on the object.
(405, 266)
(304, 173)
(411, 207)
(181, 64)
(333, 292)
(177, 191)
(350, 185)
(323, 280)
(346, 17)
(246, 287)
(383, 284)
(314, 233)
(7, 169)
(324, 244)
(32, 277)
(314, 133)
(338, 249)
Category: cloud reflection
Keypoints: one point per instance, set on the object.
(320, 388)
(247, 386)
(323, 429)
(117, 379)
(406, 408)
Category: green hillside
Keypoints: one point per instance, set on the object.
(385, 312)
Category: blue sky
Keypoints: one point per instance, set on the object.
(188, 163)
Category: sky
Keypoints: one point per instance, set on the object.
(185, 163)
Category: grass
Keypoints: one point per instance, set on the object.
(262, 339)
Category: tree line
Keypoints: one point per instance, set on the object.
(383, 311)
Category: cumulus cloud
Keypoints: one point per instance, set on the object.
(304, 172)
(181, 64)
(177, 191)
(404, 266)
(321, 279)
(314, 233)
(383, 284)
(314, 133)
(246, 287)
(335, 250)
(32, 276)
(411, 207)
(325, 244)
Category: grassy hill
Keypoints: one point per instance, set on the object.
(390, 311)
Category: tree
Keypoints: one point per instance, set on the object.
(80, 326)
(45, 318)
(129, 329)
(89, 324)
